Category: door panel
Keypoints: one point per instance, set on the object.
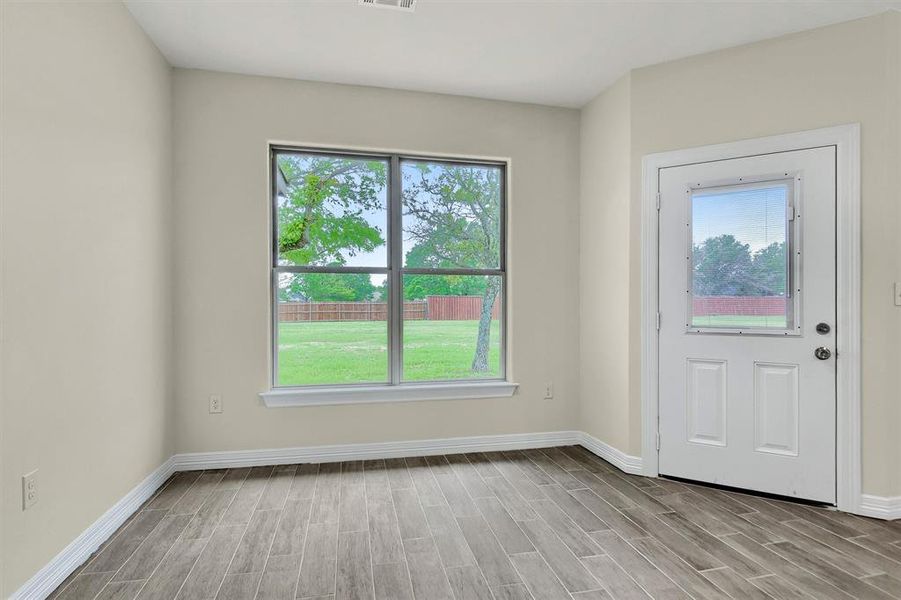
(706, 402)
(776, 407)
(747, 270)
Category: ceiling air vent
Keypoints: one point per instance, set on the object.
(404, 5)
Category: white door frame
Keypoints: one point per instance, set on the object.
(846, 140)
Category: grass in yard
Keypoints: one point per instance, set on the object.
(325, 352)
(739, 321)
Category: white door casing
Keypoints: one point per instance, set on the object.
(845, 139)
(743, 400)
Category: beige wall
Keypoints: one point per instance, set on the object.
(86, 271)
(222, 126)
(88, 233)
(839, 74)
(604, 266)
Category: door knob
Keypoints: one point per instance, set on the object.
(823, 353)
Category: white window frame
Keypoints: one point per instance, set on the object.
(793, 269)
(395, 389)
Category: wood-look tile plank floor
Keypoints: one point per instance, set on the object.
(541, 524)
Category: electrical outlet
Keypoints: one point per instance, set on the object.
(548, 390)
(898, 293)
(215, 404)
(29, 490)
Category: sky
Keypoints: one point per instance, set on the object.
(755, 216)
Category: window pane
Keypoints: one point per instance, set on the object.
(332, 328)
(451, 215)
(739, 257)
(452, 327)
(332, 210)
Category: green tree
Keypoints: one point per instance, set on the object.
(768, 267)
(723, 267)
(322, 206)
(454, 219)
(328, 287)
(417, 287)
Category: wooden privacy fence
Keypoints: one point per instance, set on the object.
(433, 308)
(458, 308)
(347, 311)
(738, 305)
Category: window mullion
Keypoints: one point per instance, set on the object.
(328, 269)
(395, 264)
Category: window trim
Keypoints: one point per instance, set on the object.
(394, 388)
(371, 394)
(791, 180)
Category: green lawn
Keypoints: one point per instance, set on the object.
(354, 352)
(739, 321)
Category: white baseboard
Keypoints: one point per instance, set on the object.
(880, 507)
(55, 572)
(618, 458)
(284, 456)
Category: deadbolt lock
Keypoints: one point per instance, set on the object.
(823, 328)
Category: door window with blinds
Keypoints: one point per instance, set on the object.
(742, 269)
(386, 269)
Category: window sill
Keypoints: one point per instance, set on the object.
(387, 393)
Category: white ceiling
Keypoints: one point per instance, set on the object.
(559, 52)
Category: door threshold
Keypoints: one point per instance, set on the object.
(767, 495)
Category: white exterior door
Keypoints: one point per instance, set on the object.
(747, 389)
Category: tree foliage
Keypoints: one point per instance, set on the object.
(417, 287)
(327, 287)
(724, 266)
(321, 215)
(454, 215)
(768, 267)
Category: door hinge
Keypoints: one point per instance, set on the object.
(658, 200)
(658, 440)
(658, 321)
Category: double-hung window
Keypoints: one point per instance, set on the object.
(388, 274)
